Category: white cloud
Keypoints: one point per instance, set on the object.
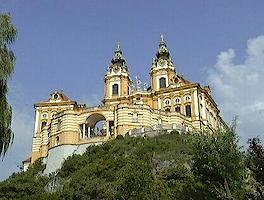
(239, 88)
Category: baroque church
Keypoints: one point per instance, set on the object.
(64, 127)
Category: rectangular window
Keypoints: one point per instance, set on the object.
(135, 117)
(43, 124)
(115, 89)
(188, 110)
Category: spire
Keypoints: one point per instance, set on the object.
(118, 56)
(161, 38)
(163, 49)
(118, 46)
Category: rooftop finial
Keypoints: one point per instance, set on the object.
(162, 38)
(118, 46)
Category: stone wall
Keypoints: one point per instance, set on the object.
(57, 155)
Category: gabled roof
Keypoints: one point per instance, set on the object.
(55, 99)
(58, 96)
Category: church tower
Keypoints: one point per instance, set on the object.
(117, 79)
(163, 70)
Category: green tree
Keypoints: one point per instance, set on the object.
(219, 164)
(25, 185)
(8, 34)
(255, 162)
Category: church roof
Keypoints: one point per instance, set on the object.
(163, 50)
(118, 56)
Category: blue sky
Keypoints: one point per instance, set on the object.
(68, 44)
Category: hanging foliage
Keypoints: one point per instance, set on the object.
(8, 35)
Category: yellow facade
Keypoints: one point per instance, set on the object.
(171, 103)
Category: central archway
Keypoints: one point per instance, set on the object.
(96, 124)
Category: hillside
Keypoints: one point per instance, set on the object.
(169, 166)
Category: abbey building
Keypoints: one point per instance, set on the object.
(129, 107)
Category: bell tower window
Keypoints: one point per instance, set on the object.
(162, 82)
(115, 89)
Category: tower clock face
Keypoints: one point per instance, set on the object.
(162, 63)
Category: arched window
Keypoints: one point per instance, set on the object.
(178, 100)
(188, 110)
(115, 89)
(44, 115)
(188, 98)
(162, 82)
(178, 109)
(167, 102)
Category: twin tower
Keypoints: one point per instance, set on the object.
(118, 82)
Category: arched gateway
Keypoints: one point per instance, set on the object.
(96, 125)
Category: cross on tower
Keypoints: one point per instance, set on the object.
(118, 46)
(162, 38)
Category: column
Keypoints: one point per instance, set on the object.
(107, 129)
(159, 103)
(83, 131)
(89, 132)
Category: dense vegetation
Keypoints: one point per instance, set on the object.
(170, 166)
